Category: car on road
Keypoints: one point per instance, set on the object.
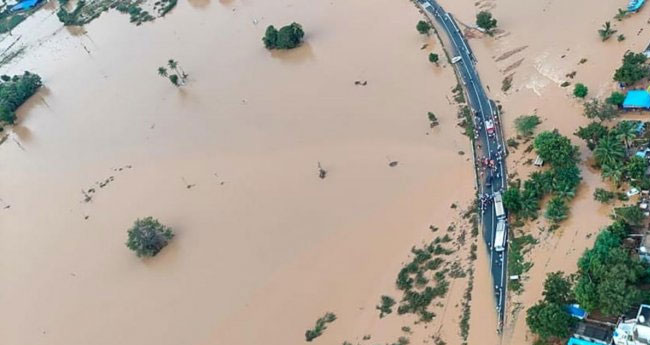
(456, 59)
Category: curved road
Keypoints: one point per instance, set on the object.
(486, 145)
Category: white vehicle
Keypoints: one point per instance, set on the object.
(456, 59)
(632, 192)
(498, 206)
(500, 236)
(538, 162)
(489, 127)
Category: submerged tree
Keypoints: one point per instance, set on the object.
(178, 78)
(423, 27)
(485, 21)
(433, 58)
(147, 237)
(288, 37)
(633, 69)
(580, 90)
(606, 32)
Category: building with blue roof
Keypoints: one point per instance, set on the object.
(637, 99)
(634, 5)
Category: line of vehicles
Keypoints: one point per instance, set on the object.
(501, 234)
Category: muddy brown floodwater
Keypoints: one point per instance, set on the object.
(263, 247)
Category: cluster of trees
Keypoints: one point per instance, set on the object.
(485, 21)
(178, 77)
(288, 37)
(633, 69)
(547, 318)
(561, 180)
(147, 237)
(608, 275)
(14, 91)
(608, 280)
(610, 147)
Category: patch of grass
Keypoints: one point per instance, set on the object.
(459, 96)
(321, 325)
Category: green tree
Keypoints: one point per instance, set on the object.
(540, 183)
(626, 132)
(580, 90)
(433, 58)
(558, 288)
(512, 200)
(385, 307)
(549, 320)
(485, 21)
(621, 14)
(147, 237)
(423, 27)
(556, 148)
(633, 68)
(162, 71)
(629, 214)
(616, 99)
(613, 172)
(529, 205)
(606, 32)
(566, 180)
(592, 134)
(603, 195)
(14, 92)
(603, 111)
(270, 38)
(526, 124)
(288, 37)
(557, 210)
(635, 168)
(609, 151)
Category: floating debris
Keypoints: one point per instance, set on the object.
(322, 173)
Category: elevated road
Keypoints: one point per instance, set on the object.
(488, 145)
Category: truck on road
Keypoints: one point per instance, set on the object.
(498, 206)
(500, 236)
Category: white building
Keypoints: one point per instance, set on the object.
(635, 331)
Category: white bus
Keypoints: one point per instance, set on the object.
(498, 206)
(500, 236)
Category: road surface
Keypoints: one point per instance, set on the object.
(488, 145)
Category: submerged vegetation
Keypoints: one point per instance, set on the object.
(178, 78)
(485, 21)
(423, 27)
(139, 11)
(14, 91)
(321, 325)
(147, 237)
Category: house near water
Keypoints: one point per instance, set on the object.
(637, 99)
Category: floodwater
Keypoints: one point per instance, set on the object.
(263, 247)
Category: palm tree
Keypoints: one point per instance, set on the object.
(613, 172)
(621, 14)
(162, 71)
(606, 32)
(173, 64)
(609, 151)
(626, 131)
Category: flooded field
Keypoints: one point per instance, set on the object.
(263, 246)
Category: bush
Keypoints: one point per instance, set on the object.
(423, 27)
(557, 288)
(580, 90)
(526, 124)
(485, 21)
(603, 111)
(386, 306)
(148, 237)
(288, 37)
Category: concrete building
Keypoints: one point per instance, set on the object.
(634, 331)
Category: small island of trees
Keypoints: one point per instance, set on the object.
(147, 237)
(288, 37)
(14, 91)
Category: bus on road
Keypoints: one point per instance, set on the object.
(500, 236)
(498, 206)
